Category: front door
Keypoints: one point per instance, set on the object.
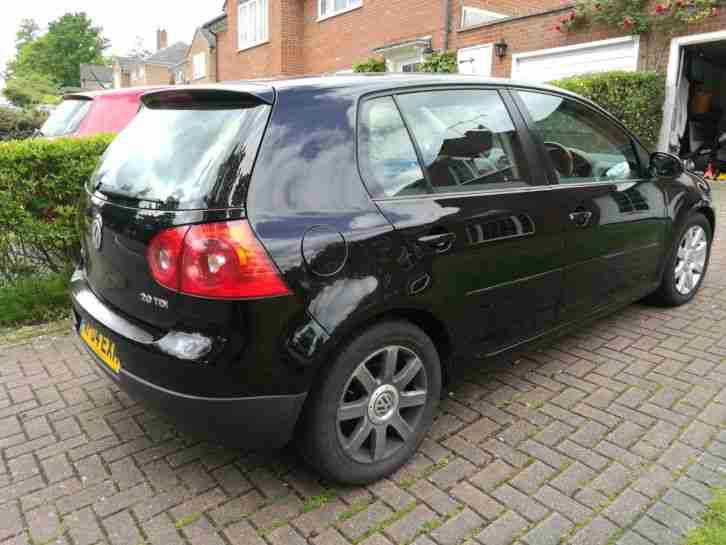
(475, 60)
(481, 241)
(616, 217)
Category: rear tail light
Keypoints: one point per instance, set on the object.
(216, 260)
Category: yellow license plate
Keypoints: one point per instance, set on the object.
(102, 346)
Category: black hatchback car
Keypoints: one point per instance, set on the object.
(313, 257)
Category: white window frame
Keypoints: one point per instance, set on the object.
(492, 15)
(140, 72)
(258, 33)
(199, 65)
(332, 12)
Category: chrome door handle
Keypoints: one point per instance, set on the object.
(441, 242)
(581, 218)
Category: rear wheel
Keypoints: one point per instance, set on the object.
(374, 406)
(687, 264)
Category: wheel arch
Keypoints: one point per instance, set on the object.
(433, 327)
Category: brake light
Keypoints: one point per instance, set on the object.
(217, 260)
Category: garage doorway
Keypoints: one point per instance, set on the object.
(475, 60)
(694, 112)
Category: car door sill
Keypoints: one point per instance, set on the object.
(598, 313)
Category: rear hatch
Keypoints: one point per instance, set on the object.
(184, 159)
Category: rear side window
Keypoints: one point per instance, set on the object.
(466, 139)
(177, 156)
(66, 118)
(387, 156)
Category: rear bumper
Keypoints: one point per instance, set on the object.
(250, 422)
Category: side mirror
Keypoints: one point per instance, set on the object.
(665, 165)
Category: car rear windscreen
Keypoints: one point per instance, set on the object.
(175, 156)
(66, 118)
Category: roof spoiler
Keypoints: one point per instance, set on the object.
(213, 96)
(77, 96)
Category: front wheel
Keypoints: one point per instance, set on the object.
(687, 264)
(374, 406)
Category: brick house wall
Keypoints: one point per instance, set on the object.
(123, 78)
(535, 32)
(201, 45)
(154, 74)
(300, 44)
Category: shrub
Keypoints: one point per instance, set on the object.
(444, 62)
(19, 123)
(40, 183)
(635, 98)
(35, 299)
(371, 65)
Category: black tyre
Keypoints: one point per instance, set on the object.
(374, 404)
(687, 263)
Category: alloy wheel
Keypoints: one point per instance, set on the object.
(691, 259)
(382, 404)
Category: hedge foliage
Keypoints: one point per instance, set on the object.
(635, 98)
(19, 123)
(40, 184)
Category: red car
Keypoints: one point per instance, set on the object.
(94, 112)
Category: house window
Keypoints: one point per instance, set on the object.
(328, 8)
(179, 78)
(252, 24)
(412, 66)
(140, 73)
(200, 65)
(475, 16)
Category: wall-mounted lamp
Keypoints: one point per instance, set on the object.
(500, 48)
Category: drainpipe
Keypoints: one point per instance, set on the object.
(447, 23)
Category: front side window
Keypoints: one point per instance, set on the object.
(200, 68)
(466, 138)
(326, 8)
(252, 23)
(583, 145)
(386, 155)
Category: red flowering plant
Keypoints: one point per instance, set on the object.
(675, 13)
(639, 16)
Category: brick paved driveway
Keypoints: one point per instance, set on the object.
(612, 435)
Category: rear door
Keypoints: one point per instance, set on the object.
(615, 214)
(451, 170)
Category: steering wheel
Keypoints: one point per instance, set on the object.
(561, 157)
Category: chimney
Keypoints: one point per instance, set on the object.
(161, 40)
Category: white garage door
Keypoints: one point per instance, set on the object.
(561, 62)
(475, 60)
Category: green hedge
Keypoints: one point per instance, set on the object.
(635, 98)
(40, 183)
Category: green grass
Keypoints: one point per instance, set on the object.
(713, 530)
(315, 502)
(34, 300)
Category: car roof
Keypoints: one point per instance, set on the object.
(358, 84)
(383, 81)
(124, 92)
